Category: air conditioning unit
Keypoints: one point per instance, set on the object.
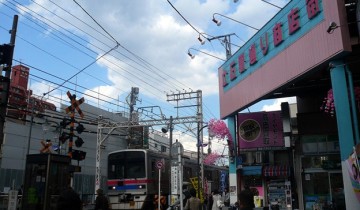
(258, 157)
(249, 158)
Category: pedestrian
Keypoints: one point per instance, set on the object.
(210, 201)
(193, 203)
(101, 201)
(21, 190)
(246, 200)
(69, 200)
(217, 201)
(226, 197)
(248, 191)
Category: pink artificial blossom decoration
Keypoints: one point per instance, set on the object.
(328, 105)
(211, 158)
(219, 129)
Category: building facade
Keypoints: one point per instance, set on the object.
(308, 50)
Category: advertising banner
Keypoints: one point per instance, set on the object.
(260, 130)
(352, 164)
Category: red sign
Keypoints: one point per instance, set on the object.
(159, 164)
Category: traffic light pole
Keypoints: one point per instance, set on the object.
(7, 70)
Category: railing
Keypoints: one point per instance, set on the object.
(87, 200)
(4, 201)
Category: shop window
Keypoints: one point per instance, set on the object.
(320, 144)
(327, 162)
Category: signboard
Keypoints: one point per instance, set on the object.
(174, 180)
(194, 182)
(290, 45)
(13, 195)
(159, 164)
(260, 129)
(353, 168)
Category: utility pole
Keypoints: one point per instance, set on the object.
(133, 98)
(7, 54)
(199, 115)
(227, 43)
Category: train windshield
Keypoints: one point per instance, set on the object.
(126, 165)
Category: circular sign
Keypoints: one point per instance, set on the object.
(159, 164)
(249, 130)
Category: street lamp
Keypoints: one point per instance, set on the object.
(200, 40)
(218, 22)
(193, 56)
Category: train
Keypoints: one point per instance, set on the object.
(133, 178)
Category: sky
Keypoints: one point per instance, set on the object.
(100, 49)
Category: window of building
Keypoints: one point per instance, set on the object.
(163, 149)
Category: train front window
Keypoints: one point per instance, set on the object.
(126, 165)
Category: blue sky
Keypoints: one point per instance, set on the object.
(61, 39)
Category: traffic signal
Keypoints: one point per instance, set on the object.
(79, 142)
(6, 52)
(78, 155)
(80, 128)
(64, 123)
(4, 90)
(63, 137)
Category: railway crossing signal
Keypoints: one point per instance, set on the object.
(75, 105)
(46, 146)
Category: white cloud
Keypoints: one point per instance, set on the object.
(276, 105)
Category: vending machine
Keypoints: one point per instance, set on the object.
(279, 195)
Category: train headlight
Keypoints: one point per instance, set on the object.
(113, 187)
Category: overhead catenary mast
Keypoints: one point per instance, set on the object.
(106, 127)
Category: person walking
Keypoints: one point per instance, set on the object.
(210, 201)
(246, 200)
(250, 193)
(69, 200)
(101, 202)
(217, 201)
(193, 203)
(226, 197)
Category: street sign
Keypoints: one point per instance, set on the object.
(159, 164)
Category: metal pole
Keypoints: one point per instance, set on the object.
(170, 157)
(7, 70)
(198, 159)
(199, 144)
(159, 189)
(180, 165)
(31, 124)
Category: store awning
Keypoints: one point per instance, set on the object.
(276, 170)
(251, 170)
